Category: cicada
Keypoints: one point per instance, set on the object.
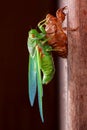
(41, 66)
(49, 37)
(55, 31)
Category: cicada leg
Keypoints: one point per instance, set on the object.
(40, 26)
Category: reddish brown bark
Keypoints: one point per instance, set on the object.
(77, 65)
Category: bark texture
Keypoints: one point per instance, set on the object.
(77, 65)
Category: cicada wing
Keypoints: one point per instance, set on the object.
(39, 84)
(32, 79)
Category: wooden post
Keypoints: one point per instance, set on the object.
(77, 65)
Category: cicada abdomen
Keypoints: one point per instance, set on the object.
(48, 69)
(55, 31)
(47, 64)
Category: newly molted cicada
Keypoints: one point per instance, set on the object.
(41, 65)
(51, 37)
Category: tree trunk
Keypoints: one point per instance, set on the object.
(63, 81)
(77, 65)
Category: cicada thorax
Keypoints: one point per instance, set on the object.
(55, 32)
(47, 64)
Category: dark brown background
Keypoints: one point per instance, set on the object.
(16, 18)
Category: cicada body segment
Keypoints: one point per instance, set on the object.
(47, 65)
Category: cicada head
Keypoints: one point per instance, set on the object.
(60, 14)
(33, 33)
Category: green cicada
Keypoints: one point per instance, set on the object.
(41, 66)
